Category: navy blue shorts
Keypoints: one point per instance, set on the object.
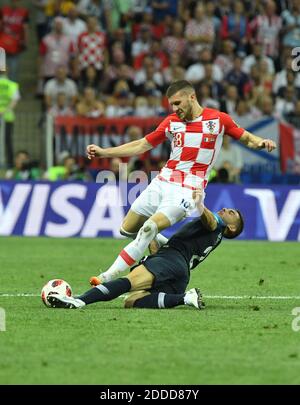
(170, 270)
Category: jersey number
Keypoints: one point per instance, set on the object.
(199, 259)
(178, 139)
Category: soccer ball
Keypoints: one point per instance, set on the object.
(55, 287)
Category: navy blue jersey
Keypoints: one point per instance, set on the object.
(195, 242)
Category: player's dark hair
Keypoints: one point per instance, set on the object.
(179, 86)
(239, 230)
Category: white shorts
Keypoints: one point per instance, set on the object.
(171, 199)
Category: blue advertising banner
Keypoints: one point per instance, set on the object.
(73, 209)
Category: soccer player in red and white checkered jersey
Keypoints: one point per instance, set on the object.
(196, 134)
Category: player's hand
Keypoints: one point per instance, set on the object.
(94, 151)
(153, 247)
(197, 195)
(267, 144)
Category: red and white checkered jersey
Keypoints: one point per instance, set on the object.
(91, 49)
(195, 145)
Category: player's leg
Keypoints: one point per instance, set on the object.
(134, 251)
(177, 203)
(172, 201)
(133, 296)
(174, 205)
(160, 300)
(132, 223)
(141, 210)
(170, 279)
(154, 300)
(148, 203)
(139, 279)
(129, 228)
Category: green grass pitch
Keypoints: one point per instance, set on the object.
(233, 341)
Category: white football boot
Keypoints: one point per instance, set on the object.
(193, 298)
(65, 302)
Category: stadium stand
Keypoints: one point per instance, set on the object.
(237, 54)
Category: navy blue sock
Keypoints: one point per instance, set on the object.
(159, 300)
(106, 291)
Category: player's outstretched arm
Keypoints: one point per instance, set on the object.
(128, 149)
(207, 217)
(255, 142)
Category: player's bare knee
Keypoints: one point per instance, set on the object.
(161, 220)
(128, 229)
(127, 234)
(125, 226)
(132, 223)
(122, 231)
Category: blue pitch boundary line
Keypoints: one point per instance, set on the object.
(260, 153)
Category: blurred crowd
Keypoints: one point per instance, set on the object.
(116, 58)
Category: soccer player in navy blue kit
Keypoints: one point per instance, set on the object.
(160, 280)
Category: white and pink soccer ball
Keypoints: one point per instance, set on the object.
(56, 287)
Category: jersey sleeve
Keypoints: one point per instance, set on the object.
(231, 127)
(159, 135)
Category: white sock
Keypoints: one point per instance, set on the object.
(161, 239)
(132, 252)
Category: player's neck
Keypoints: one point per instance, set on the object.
(197, 112)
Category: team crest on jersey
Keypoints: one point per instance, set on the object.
(211, 126)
